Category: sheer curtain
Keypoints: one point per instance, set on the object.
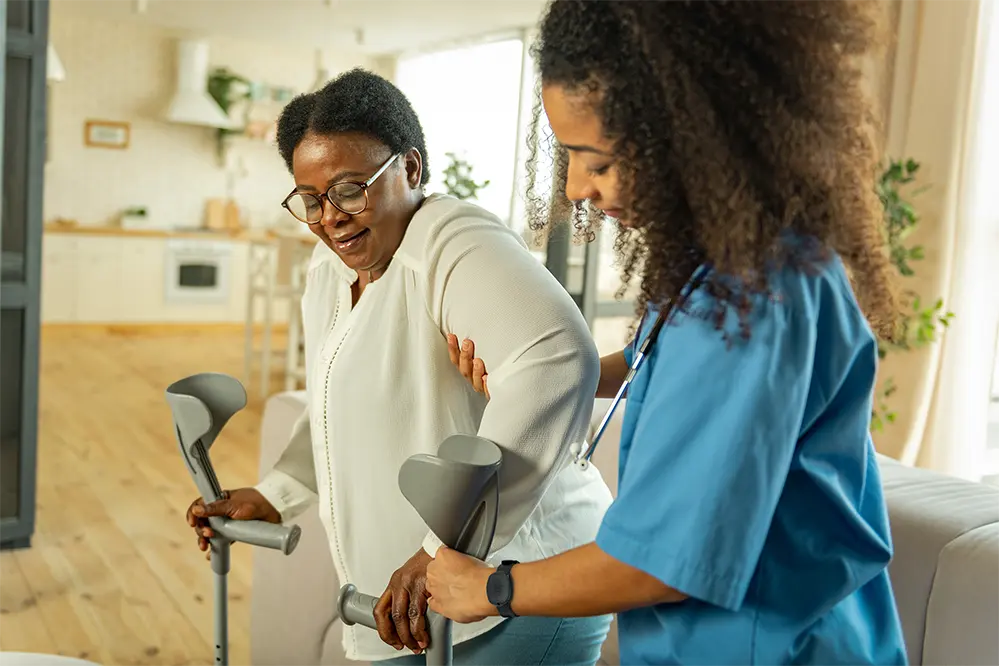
(943, 115)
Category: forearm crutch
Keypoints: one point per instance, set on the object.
(202, 404)
(456, 493)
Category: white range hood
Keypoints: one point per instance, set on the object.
(191, 103)
(53, 66)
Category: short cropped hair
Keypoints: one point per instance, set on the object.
(355, 101)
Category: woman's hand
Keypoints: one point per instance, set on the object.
(239, 504)
(457, 586)
(471, 368)
(401, 612)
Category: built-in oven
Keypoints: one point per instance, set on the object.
(198, 271)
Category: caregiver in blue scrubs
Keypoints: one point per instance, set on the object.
(732, 143)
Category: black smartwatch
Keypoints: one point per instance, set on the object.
(499, 588)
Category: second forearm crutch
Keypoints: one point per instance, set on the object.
(202, 404)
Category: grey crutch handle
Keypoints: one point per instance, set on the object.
(202, 404)
(356, 608)
(258, 533)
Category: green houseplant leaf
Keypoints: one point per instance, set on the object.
(922, 325)
(458, 179)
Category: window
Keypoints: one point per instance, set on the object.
(469, 100)
(984, 210)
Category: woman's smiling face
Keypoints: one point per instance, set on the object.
(364, 241)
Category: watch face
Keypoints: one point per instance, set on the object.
(498, 589)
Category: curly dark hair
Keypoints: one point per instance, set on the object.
(355, 101)
(735, 123)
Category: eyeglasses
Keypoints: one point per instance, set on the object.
(348, 197)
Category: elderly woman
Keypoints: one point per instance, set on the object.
(397, 273)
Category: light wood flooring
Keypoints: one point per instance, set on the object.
(113, 573)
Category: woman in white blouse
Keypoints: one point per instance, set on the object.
(396, 273)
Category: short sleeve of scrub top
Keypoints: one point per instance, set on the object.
(710, 434)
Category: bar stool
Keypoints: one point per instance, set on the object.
(277, 269)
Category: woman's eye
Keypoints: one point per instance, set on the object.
(599, 171)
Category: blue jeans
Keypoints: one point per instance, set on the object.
(523, 641)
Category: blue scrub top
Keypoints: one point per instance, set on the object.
(748, 481)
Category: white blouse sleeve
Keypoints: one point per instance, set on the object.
(541, 359)
(290, 486)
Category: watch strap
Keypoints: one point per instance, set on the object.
(504, 605)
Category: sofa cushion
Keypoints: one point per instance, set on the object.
(293, 617)
(962, 619)
(928, 512)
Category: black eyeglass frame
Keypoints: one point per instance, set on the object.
(325, 196)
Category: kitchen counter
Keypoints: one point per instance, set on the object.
(208, 234)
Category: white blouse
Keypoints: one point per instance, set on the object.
(382, 388)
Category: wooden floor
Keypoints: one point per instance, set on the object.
(113, 573)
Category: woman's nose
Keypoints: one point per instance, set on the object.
(578, 187)
(332, 216)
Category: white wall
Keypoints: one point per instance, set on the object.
(125, 72)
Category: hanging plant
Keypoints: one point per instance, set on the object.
(227, 89)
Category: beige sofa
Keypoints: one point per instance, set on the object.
(945, 572)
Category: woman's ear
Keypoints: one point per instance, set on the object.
(414, 168)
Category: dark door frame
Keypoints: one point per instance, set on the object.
(25, 295)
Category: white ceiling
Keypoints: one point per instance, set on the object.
(384, 26)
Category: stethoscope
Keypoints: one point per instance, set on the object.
(582, 456)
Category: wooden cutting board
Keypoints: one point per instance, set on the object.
(215, 214)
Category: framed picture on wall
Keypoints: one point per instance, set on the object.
(106, 134)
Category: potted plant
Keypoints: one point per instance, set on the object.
(458, 179)
(227, 89)
(135, 217)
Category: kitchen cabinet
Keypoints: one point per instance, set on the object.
(142, 267)
(125, 279)
(97, 272)
(58, 279)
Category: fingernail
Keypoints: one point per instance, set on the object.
(198, 511)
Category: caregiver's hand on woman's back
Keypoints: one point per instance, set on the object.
(239, 504)
(471, 368)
